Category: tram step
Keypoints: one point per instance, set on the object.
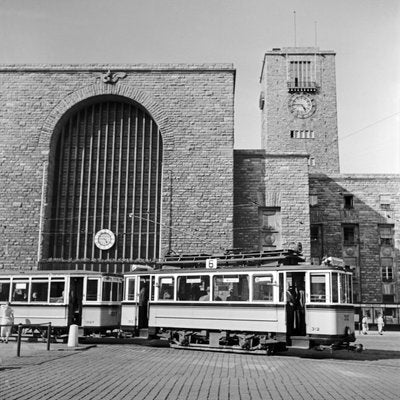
(300, 342)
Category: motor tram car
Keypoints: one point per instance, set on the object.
(260, 308)
(91, 300)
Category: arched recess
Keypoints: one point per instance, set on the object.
(105, 172)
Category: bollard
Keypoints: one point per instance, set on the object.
(73, 336)
(48, 336)
(19, 340)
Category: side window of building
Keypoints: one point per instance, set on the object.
(350, 235)
(317, 248)
(385, 202)
(386, 235)
(348, 201)
(387, 269)
(301, 74)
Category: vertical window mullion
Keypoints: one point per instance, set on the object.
(121, 143)
(134, 216)
(128, 155)
(89, 182)
(149, 188)
(103, 197)
(96, 191)
(74, 194)
(81, 186)
(66, 197)
(56, 223)
(156, 224)
(141, 187)
(112, 172)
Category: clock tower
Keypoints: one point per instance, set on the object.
(298, 104)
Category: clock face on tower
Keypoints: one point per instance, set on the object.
(104, 239)
(301, 105)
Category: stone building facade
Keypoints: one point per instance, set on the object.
(77, 145)
(104, 165)
(353, 217)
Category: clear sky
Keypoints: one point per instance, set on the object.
(364, 33)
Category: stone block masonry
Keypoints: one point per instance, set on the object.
(193, 107)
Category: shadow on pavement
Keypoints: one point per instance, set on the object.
(343, 354)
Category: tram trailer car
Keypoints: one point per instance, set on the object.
(248, 308)
(91, 300)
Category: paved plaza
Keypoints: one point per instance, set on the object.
(141, 372)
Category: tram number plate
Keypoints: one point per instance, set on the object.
(315, 328)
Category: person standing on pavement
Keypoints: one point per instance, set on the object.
(380, 324)
(6, 321)
(364, 323)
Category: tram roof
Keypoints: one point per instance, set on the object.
(233, 257)
(168, 270)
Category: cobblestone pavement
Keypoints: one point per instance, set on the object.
(139, 372)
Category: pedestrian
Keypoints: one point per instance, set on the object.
(6, 321)
(380, 324)
(364, 323)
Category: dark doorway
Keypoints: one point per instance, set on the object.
(144, 286)
(75, 301)
(295, 304)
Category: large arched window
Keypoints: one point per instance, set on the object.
(108, 168)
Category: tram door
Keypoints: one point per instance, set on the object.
(144, 288)
(295, 304)
(75, 301)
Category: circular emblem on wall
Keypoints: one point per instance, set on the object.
(387, 251)
(269, 239)
(349, 251)
(302, 105)
(104, 239)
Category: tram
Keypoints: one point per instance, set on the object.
(262, 306)
(92, 300)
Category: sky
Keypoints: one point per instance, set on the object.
(365, 34)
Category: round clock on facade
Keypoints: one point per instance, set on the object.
(302, 105)
(104, 239)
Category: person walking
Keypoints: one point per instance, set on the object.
(380, 324)
(364, 323)
(6, 321)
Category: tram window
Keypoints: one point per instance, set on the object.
(166, 288)
(130, 289)
(231, 287)
(92, 288)
(20, 291)
(57, 289)
(192, 288)
(335, 288)
(107, 287)
(4, 291)
(345, 289)
(263, 288)
(343, 292)
(349, 288)
(115, 291)
(317, 288)
(281, 287)
(39, 291)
